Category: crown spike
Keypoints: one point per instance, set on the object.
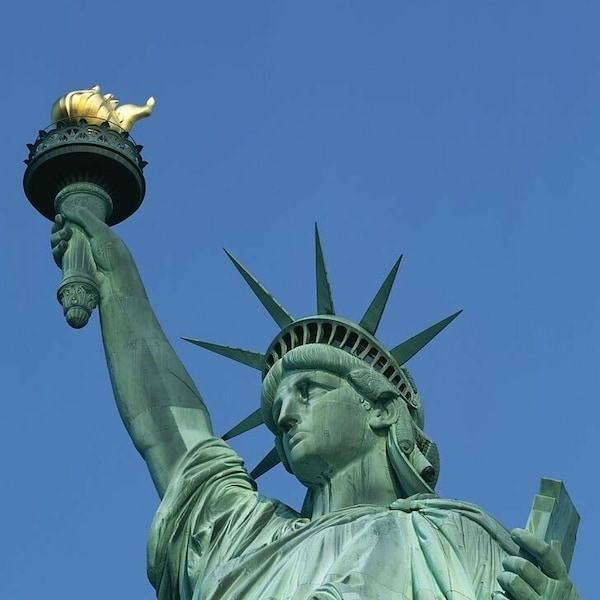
(266, 464)
(406, 350)
(277, 312)
(250, 422)
(372, 316)
(324, 297)
(256, 360)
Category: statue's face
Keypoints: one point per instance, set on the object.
(324, 424)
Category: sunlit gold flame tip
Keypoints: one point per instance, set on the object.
(97, 108)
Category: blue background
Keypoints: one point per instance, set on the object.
(464, 135)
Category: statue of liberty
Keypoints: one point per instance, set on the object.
(347, 422)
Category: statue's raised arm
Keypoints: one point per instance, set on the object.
(344, 411)
(157, 399)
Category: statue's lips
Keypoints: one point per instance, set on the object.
(296, 438)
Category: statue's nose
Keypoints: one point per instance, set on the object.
(288, 417)
(287, 422)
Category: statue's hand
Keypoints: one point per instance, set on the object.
(523, 580)
(115, 267)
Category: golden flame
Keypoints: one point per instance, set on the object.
(96, 108)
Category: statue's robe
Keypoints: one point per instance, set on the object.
(215, 538)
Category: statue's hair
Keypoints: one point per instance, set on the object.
(368, 383)
(363, 378)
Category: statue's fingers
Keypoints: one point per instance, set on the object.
(55, 239)
(62, 235)
(527, 571)
(58, 223)
(515, 587)
(58, 252)
(549, 560)
(87, 220)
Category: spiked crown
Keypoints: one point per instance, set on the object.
(325, 327)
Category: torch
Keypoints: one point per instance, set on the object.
(86, 158)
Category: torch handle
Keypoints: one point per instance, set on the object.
(78, 293)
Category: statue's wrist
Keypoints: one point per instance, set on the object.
(117, 290)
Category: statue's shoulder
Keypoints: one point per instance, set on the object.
(443, 512)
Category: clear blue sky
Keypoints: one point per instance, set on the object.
(464, 135)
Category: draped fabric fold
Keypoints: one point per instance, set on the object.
(214, 537)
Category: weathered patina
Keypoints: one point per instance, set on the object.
(347, 421)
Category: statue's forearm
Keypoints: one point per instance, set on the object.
(158, 401)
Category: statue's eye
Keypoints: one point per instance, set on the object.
(304, 389)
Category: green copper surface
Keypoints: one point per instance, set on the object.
(372, 317)
(553, 516)
(347, 422)
(256, 360)
(277, 312)
(250, 422)
(324, 297)
(270, 461)
(406, 350)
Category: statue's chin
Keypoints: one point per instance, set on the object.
(310, 469)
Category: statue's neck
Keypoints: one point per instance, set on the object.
(366, 481)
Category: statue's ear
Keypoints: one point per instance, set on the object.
(385, 412)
